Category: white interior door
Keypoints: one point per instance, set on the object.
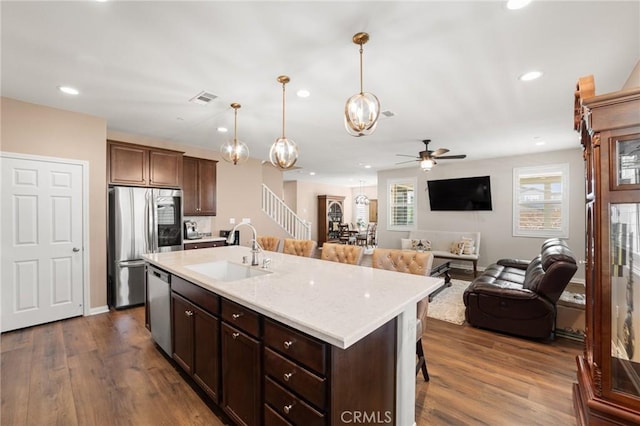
(42, 236)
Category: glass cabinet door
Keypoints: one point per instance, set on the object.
(626, 158)
(625, 296)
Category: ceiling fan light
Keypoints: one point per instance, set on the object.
(361, 114)
(283, 153)
(427, 164)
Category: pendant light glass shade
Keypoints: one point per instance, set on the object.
(235, 151)
(362, 110)
(284, 152)
(362, 199)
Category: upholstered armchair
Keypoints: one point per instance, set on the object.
(269, 243)
(519, 297)
(410, 262)
(342, 253)
(304, 248)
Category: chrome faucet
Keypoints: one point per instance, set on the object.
(255, 246)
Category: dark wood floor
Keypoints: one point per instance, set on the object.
(105, 370)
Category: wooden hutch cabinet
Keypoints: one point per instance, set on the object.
(330, 216)
(608, 387)
(137, 165)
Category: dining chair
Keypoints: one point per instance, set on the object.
(363, 237)
(269, 243)
(304, 248)
(342, 253)
(410, 262)
(372, 235)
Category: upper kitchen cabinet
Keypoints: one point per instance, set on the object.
(199, 187)
(138, 165)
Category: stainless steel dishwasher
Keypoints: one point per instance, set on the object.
(159, 299)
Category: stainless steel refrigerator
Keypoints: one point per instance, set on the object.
(141, 220)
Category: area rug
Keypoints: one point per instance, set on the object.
(448, 305)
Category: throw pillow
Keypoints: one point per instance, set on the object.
(421, 245)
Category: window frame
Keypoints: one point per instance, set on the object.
(391, 183)
(518, 173)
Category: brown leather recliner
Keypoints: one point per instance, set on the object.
(519, 297)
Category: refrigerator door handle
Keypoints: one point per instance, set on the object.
(131, 263)
(154, 220)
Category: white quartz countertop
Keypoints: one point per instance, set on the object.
(334, 302)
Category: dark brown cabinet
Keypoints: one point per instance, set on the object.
(199, 187)
(206, 244)
(330, 216)
(195, 334)
(608, 386)
(241, 364)
(137, 165)
(263, 372)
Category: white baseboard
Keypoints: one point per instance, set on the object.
(99, 310)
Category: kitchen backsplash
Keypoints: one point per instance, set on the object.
(205, 223)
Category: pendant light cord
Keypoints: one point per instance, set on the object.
(283, 103)
(361, 50)
(235, 129)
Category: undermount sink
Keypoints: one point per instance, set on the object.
(226, 271)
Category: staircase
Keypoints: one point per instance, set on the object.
(277, 210)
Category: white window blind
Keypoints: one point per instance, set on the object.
(402, 204)
(541, 201)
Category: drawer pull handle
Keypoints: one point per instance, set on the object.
(236, 316)
(188, 313)
(235, 335)
(287, 344)
(287, 376)
(287, 408)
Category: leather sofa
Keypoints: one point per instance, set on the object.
(519, 297)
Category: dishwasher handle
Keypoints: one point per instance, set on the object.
(159, 274)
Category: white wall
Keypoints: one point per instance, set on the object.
(495, 226)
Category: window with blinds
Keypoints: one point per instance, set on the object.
(541, 201)
(402, 204)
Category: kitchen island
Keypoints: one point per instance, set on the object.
(360, 312)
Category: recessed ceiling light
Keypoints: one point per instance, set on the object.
(68, 90)
(517, 4)
(312, 173)
(531, 75)
(367, 166)
(223, 129)
(303, 93)
(540, 143)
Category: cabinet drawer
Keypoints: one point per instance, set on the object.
(210, 302)
(296, 345)
(271, 418)
(241, 317)
(207, 244)
(290, 407)
(295, 378)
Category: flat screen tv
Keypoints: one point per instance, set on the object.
(472, 193)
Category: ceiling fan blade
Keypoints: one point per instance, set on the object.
(452, 157)
(438, 152)
(408, 161)
(405, 155)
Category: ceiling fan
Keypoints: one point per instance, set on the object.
(427, 158)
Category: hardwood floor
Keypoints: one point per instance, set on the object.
(105, 370)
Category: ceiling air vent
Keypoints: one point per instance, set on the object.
(388, 113)
(203, 98)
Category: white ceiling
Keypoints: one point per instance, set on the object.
(448, 70)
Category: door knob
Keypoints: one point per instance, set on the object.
(76, 249)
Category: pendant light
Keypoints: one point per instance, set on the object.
(235, 151)
(362, 199)
(363, 109)
(284, 152)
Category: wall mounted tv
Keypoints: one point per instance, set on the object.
(472, 193)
